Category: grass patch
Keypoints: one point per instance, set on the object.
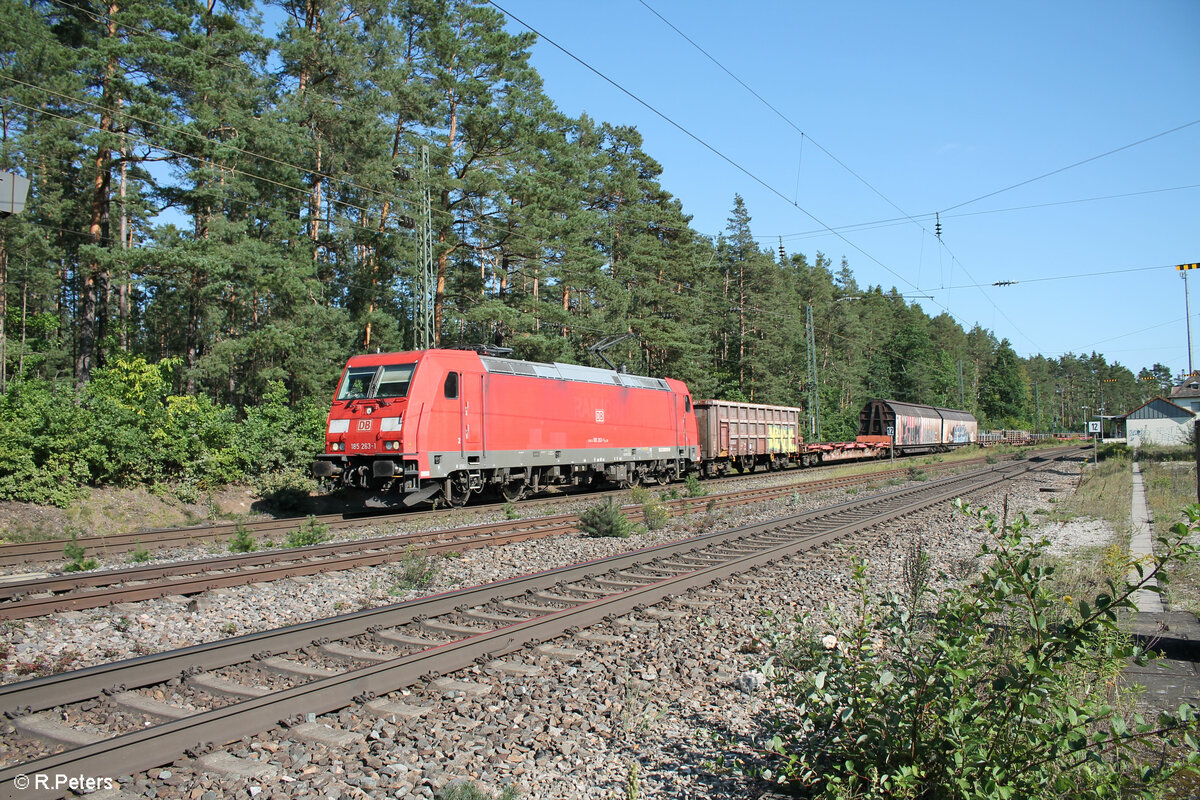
(1105, 492)
(1170, 485)
(416, 571)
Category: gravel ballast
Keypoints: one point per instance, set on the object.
(642, 695)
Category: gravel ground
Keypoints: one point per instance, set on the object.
(646, 690)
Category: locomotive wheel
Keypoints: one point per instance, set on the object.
(513, 490)
(457, 490)
(663, 477)
(633, 477)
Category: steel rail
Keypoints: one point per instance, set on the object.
(162, 744)
(15, 553)
(78, 591)
(46, 692)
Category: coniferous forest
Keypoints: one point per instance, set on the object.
(219, 216)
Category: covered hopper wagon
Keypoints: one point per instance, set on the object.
(914, 429)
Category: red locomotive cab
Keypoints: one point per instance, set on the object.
(366, 423)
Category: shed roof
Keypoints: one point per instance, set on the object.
(1159, 408)
(1189, 388)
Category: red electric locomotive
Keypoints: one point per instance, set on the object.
(425, 424)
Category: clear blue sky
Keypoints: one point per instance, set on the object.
(930, 106)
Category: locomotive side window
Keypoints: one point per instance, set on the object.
(394, 380)
(356, 383)
(687, 405)
(451, 387)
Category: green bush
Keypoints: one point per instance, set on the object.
(605, 520)
(287, 490)
(655, 515)
(242, 541)
(1112, 450)
(694, 487)
(309, 533)
(126, 428)
(998, 690)
(77, 560)
(416, 571)
(49, 451)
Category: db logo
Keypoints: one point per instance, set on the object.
(364, 424)
(599, 415)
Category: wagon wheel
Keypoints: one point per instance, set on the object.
(513, 491)
(457, 490)
(749, 464)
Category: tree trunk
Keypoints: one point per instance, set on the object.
(94, 289)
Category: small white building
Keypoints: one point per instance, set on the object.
(1187, 394)
(1159, 422)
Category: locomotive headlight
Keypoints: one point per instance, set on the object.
(339, 425)
(390, 424)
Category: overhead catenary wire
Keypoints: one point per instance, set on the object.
(715, 151)
(907, 216)
(1072, 166)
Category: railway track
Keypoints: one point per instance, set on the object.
(23, 599)
(50, 550)
(251, 683)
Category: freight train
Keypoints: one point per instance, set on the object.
(430, 425)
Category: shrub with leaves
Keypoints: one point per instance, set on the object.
(605, 520)
(310, 532)
(77, 560)
(416, 571)
(655, 515)
(1000, 689)
(694, 487)
(242, 541)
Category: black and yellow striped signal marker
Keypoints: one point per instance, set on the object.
(1187, 266)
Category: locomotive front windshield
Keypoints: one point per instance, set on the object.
(389, 380)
